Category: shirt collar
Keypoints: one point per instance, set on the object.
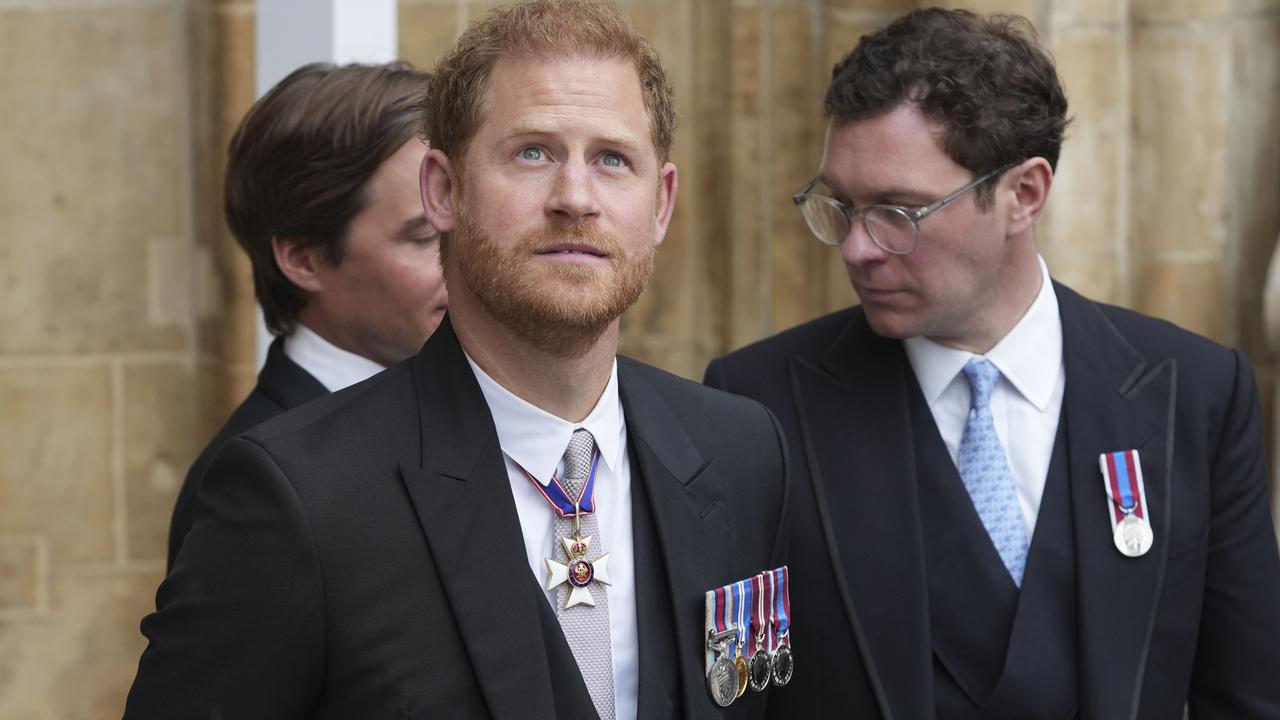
(1020, 355)
(535, 439)
(334, 367)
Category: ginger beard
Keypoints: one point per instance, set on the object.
(560, 308)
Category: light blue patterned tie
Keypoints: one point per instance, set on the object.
(984, 468)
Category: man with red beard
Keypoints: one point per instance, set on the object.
(515, 523)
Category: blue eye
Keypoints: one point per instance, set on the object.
(613, 160)
(531, 153)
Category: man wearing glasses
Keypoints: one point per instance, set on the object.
(1009, 501)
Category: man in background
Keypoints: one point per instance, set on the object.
(322, 193)
(400, 549)
(1010, 501)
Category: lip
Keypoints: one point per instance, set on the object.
(572, 249)
(875, 292)
(573, 254)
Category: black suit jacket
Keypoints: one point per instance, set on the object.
(282, 385)
(1196, 619)
(361, 557)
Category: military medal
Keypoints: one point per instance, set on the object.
(1126, 502)
(758, 666)
(722, 675)
(741, 605)
(577, 570)
(783, 661)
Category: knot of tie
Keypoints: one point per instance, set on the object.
(982, 377)
(577, 459)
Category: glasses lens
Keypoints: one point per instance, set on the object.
(825, 219)
(892, 229)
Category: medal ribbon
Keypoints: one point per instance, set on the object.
(742, 601)
(722, 609)
(782, 605)
(772, 590)
(756, 636)
(1124, 481)
(558, 497)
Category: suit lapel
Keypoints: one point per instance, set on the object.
(462, 495)
(1115, 400)
(689, 515)
(857, 438)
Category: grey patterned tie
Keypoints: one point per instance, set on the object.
(586, 627)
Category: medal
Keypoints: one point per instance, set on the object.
(741, 603)
(576, 570)
(783, 661)
(1126, 502)
(722, 674)
(1133, 536)
(759, 666)
(579, 572)
(722, 679)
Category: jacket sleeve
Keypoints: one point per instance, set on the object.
(1237, 663)
(238, 626)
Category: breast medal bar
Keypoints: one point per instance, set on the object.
(1126, 502)
(748, 640)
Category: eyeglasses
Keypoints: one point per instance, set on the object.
(893, 228)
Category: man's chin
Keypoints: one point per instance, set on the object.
(890, 325)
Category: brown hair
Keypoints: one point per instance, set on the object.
(300, 162)
(987, 81)
(541, 29)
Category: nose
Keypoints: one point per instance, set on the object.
(858, 248)
(573, 197)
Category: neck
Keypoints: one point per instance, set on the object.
(1008, 300)
(565, 384)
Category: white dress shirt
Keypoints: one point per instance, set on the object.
(1026, 403)
(535, 440)
(334, 367)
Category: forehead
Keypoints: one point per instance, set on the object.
(893, 147)
(565, 93)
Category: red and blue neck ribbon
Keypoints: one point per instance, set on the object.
(558, 497)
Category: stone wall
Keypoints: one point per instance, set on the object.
(126, 311)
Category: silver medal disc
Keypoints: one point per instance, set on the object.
(1133, 536)
(784, 664)
(722, 681)
(760, 669)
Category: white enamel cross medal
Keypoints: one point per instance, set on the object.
(579, 572)
(576, 570)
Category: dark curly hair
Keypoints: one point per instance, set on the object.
(986, 80)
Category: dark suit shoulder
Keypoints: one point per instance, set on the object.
(757, 368)
(1156, 338)
(369, 401)
(689, 399)
(257, 408)
(806, 339)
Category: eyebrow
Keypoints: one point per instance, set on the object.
(526, 127)
(413, 226)
(908, 197)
